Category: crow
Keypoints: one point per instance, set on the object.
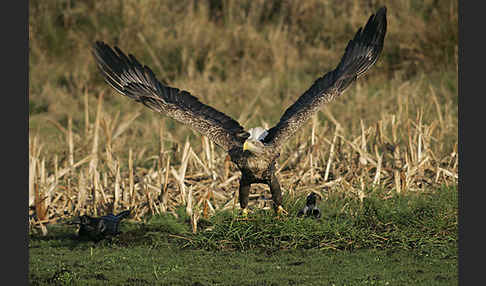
(97, 228)
(310, 209)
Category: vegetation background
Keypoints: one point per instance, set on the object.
(394, 132)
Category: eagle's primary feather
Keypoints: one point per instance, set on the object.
(360, 54)
(254, 155)
(127, 76)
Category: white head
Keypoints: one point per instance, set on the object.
(258, 133)
(254, 143)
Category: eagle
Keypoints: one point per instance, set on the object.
(255, 152)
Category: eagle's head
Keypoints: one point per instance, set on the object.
(254, 143)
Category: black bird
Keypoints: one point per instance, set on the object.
(97, 228)
(255, 151)
(310, 209)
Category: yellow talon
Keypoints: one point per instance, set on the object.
(281, 211)
(244, 212)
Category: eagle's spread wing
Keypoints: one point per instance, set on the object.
(127, 76)
(360, 54)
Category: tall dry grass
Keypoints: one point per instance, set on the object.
(91, 151)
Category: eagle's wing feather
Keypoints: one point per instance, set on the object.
(360, 54)
(127, 76)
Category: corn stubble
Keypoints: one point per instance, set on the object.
(200, 178)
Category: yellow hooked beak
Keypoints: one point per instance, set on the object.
(246, 146)
(252, 146)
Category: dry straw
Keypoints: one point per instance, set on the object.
(375, 158)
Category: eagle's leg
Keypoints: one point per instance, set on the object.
(244, 192)
(276, 195)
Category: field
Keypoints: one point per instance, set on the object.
(376, 156)
(400, 241)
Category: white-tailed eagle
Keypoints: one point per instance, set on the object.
(255, 151)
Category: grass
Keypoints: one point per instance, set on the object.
(171, 266)
(402, 240)
(347, 225)
(383, 157)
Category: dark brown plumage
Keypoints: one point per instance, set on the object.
(254, 155)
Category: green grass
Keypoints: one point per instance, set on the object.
(404, 240)
(172, 266)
